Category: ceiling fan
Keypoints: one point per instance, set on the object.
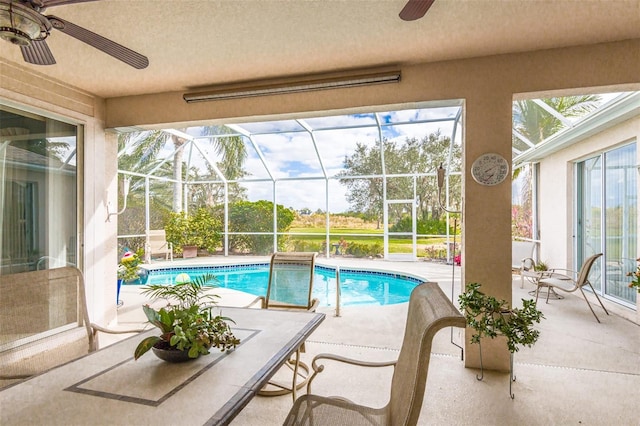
(23, 23)
(415, 9)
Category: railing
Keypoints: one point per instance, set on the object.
(337, 291)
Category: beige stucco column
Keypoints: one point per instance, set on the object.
(486, 243)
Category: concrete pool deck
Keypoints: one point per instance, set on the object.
(579, 372)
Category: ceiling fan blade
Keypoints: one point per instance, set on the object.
(51, 3)
(38, 53)
(109, 47)
(415, 9)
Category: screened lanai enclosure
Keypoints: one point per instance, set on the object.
(360, 184)
(365, 184)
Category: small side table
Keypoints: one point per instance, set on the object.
(549, 293)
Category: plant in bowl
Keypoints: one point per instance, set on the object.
(540, 266)
(188, 325)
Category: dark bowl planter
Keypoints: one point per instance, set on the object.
(169, 354)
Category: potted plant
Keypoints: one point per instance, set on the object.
(188, 233)
(128, 268)
(128, 265)
(188, 326)
(491, 317)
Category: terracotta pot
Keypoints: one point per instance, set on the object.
(189, 251)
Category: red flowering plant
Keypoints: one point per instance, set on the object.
(635, 280)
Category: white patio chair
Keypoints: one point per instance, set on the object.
(429, 311)
(157, 245)
(290, 287)
(44, 322)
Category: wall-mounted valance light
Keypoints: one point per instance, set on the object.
(286, 86)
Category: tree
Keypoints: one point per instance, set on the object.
(212, 193)
(414, 157)
(247, 216)
(201, 228)
(140, 152)
(537, 124)
(233, 153)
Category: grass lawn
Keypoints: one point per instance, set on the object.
(361, 236)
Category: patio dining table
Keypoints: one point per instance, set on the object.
(110, 387)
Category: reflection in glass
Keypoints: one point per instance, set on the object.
(38, 194)
(621, 213)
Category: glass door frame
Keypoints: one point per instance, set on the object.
(602, 286)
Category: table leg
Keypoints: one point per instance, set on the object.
(296, 365)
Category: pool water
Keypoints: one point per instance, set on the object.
(358, 287)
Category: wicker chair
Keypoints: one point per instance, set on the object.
(290, 287)
(570, 281)
(44, 322)
(429, 311)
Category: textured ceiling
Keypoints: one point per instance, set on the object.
(193, 43)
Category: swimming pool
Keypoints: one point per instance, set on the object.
(358, 286)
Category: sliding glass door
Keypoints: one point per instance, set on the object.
(607, 219)
(38, 192)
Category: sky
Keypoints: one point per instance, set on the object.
(288, 152)
(285, 150)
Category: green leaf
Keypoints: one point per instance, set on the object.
(145, 345)
(490, 317)
(194, 352)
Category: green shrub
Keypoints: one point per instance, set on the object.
(364, 250)
(308, 246)
(201, 229)
(248, 216)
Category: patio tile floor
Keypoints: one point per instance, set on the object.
(579, 372)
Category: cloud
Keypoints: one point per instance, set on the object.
(289, 152)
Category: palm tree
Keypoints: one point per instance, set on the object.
(140, 152)
(537, 124)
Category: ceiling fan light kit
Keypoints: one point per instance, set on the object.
(20, 25)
